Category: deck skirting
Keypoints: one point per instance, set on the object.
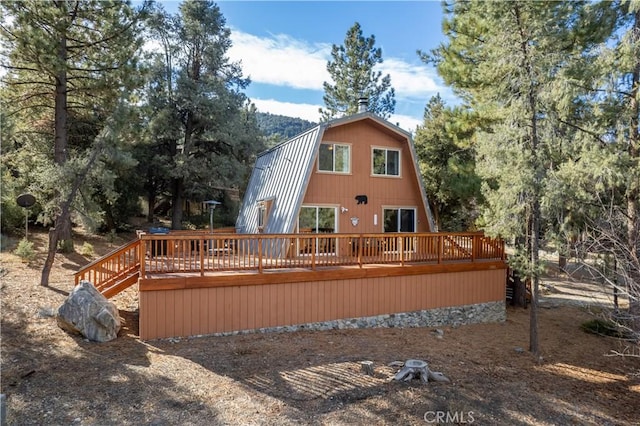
(388, 301)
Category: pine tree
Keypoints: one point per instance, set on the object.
(600, 187)
(502, 58)
(447, 164)
(200, 128)
(69, 62)
(354, 76)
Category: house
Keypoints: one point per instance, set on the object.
(334, 231)
(356, 174)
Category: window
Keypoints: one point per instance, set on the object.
(334, 158)
(386, 162)
(400, 220)
(262, 213)
(317, 220)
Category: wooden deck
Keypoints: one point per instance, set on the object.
(193, 283)
(222, 278)
(196, 257)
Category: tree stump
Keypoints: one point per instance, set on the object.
(415, 368)
(367, 367)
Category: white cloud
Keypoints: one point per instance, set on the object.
(409, 80)
(405, 122)
(281, 60)
(305, 111)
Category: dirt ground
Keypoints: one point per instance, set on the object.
(52, 378)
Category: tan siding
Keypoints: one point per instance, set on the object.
(168, 313)
(340, 190)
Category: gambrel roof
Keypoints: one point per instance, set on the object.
(282, 174)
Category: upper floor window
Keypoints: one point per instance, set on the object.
(335, 158)
(386, 162)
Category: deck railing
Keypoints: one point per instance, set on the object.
(201, 252)
(114, 266)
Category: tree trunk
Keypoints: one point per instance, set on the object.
(151, 202)
(176, 204)
(177, 198)
(537, 170)
(60, 119)
(51, 256)
(519, 290)
(562, 262)
(63, 218)
(436, 216)
(535, 279)
(520, 281)
(633, 197)
(54, 233)
(63, 228)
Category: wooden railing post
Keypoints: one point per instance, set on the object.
(401, 248)
(201, 252)
(474, 246)
(313, 253)
(360, 250)
(142, 255)
(260, 255)
(440, 247)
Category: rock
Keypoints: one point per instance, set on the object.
(89, 313)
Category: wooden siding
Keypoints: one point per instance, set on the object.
(215, 305)
(339, 190)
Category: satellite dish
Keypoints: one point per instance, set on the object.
(26, 200)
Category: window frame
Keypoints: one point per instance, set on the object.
(317, 207)
(263, 211)
(386, 150)
(333, 158)
(321, 238)
(398, 210)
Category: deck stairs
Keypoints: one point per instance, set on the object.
(114, 272)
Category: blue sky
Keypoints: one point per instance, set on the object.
(284, 47)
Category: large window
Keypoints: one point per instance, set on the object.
(386, 162)
(399, 220)
(317, 220)
(334, 158)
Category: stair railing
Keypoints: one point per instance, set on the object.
(111, 268)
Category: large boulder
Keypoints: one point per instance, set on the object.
(89, 313)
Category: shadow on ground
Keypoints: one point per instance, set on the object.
(317, 376)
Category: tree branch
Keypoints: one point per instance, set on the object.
(576, 127)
